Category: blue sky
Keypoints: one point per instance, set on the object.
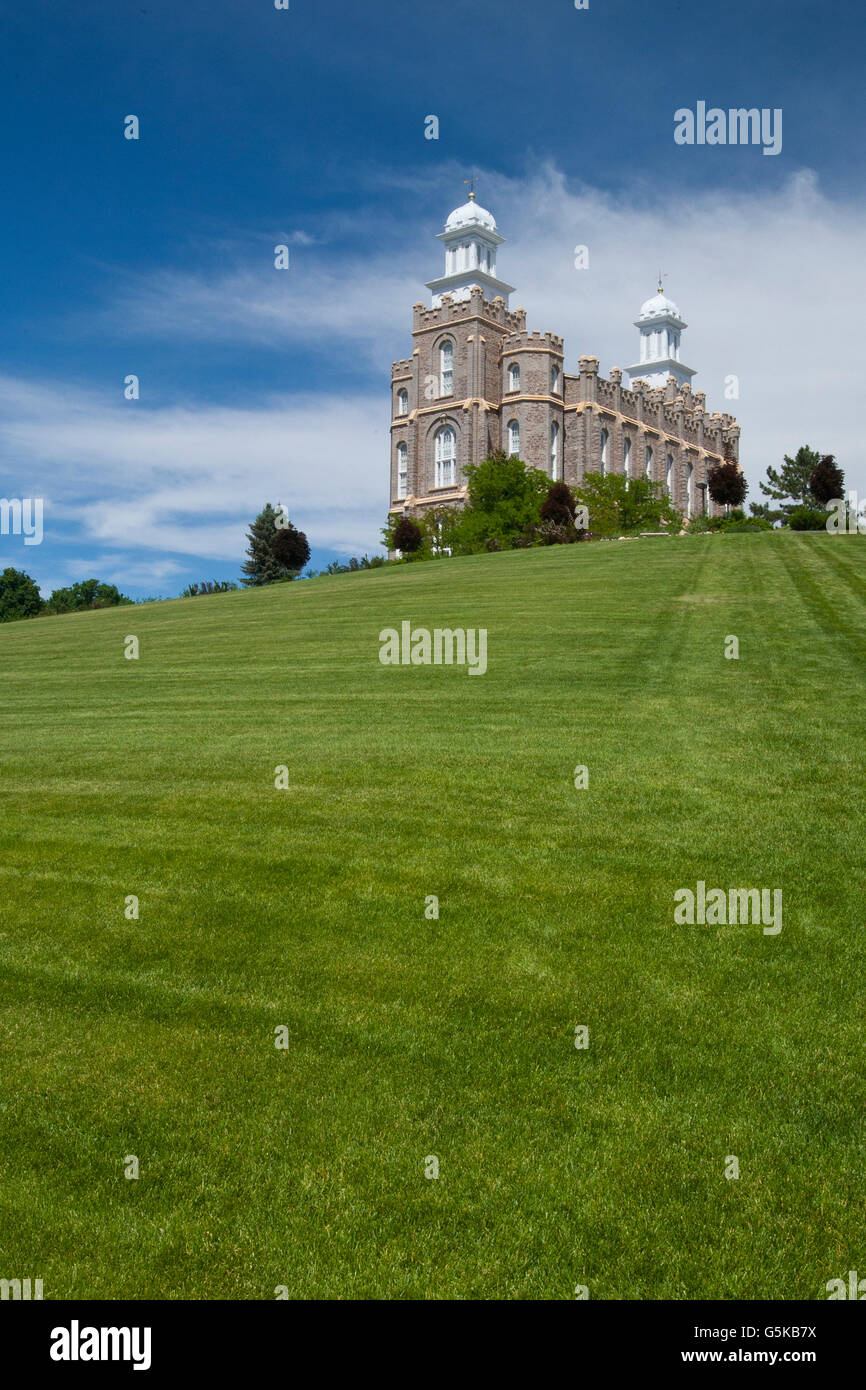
(306, 126)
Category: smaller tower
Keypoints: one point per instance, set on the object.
(471, 238)
(660, 323)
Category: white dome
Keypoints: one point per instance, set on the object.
(468, 214)
(658, 305)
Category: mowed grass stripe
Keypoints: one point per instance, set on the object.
(454, 1037)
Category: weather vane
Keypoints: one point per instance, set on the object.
(662, 277)
(473, 182)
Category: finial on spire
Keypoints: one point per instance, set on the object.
(661, 277)
(473, 182)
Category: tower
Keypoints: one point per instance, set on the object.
(660, 323)
(446, 397)
(478, 381)
(470, 238)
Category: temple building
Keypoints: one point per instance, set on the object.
(478, 381)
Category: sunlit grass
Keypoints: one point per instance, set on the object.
(454, 1037)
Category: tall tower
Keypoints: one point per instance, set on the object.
(660, 323)
(470, 239)
(447, 398)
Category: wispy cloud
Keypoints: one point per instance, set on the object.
(765, 279)
(187, 480)
(768, 280)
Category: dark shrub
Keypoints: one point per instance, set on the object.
(559, 506)
(408, 536)
(727, 485)
(827, 481)
(290, 548)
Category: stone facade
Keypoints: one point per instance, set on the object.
(499, 386)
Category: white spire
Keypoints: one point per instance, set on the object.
(661, 324)
(470, 238)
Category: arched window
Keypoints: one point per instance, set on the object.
(513, 438)
(626, 457)
(669, 476)
(690, 490)
(445, 472)
(402, 470)
(605, 439)
(649, 461)
(554, 379)
(446, 368)
(402, 402)
(554, 451)
(514, 377)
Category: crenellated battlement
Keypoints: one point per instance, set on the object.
(476, 306)
(478, 381)
(670, 410)
(524, 341)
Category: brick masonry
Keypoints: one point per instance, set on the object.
(667, 432)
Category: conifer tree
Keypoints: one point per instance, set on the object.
(792, 480)
(265, 564)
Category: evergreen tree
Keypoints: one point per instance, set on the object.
(264, 565)
(792, 480)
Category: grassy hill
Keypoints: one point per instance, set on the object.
(410, 1037)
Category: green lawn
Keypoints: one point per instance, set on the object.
(454, 1037)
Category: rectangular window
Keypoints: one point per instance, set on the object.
(402, 470)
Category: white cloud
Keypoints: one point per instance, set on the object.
(153, 574)
(187, 481)
(766, 280)
(350, 304)
(770, 282)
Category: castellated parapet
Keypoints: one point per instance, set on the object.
(478, 381)
(455, 311)
(526, 341)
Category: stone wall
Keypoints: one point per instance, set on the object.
(666, 433)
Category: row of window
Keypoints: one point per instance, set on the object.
(514, 378)
(513, 432)
(445, 460)
(445, 456)
(648, 468)
(446, 378)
